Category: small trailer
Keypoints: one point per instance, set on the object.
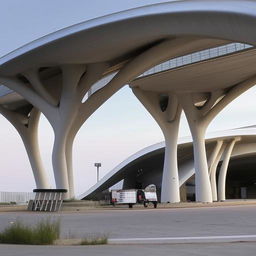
(150, 195)
(134, 196)
(124, 196)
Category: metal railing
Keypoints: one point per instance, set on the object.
(181, 61)
(197, 57)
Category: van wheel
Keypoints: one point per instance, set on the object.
(155, 204)
(130, 205)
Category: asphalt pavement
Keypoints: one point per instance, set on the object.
(149, 224)
(229, 249)
(129, 223)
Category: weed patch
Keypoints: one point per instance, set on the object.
(44, 232)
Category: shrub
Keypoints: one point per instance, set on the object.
(45, 232)
(17, 233)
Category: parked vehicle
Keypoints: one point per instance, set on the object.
(128, 196)
(150, 195)
(134, 196)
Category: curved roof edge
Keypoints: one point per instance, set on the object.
(147, 10)
(84, 25)
(242, 131)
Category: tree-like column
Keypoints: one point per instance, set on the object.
(166, 111)
(199, 114)
(25, 121)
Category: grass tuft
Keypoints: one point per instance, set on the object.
(95, 240)
(45, 232)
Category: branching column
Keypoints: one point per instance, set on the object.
(59, 111)
(198, 127)
(199, 114)
(76, 80)
(167, 115)
(27, 126)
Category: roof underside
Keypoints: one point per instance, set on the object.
(119, 37)
(208, 75)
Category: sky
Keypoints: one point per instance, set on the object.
(116, 130)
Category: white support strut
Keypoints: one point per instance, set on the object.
(27, 127)
(224, 169)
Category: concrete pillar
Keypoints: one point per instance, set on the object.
(30, 140)
(223, 170)
(33, 152)
(213, 172)
(214, 154)
(170, 179)
(198, 127)
(201, 109)
(168, 118)
(203, 187)
(69, 163)
(27, 127)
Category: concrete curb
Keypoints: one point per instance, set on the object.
(184, 240)
(84, 207)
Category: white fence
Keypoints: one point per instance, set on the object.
(17, 197)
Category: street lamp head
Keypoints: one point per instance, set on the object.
(98, 165)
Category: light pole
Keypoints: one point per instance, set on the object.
(97, 165)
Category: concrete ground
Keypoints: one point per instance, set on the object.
(145, 223)
(129, 223)
(233, 249)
